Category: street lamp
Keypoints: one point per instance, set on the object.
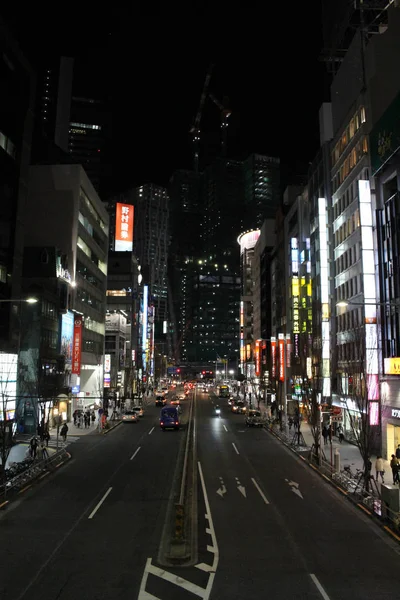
(29, 300)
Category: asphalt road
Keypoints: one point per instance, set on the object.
(267, 525)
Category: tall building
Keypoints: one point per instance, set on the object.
(77, 225)
(151, 244)
(261, 190)
(17, 83)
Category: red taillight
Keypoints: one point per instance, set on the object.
(176, 422)
(161, 423)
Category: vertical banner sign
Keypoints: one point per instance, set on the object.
(273, 357)
(77, 346)
(124, 227)
(281, 342)
(288, 351)
(257, 357)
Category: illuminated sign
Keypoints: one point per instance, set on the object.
(392, 366)
(67, 336)
(257, 356)
(124, 227)
(248, 240)
(288, 350)
(273, 357)
(77, 347)
(144, 322)
(294, 247)
(374, 413)
(107, 380)
(107, 363)
(281, 342)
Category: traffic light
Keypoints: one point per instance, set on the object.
(203, 372)
(178, 370)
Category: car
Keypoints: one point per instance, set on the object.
(130, 416)
(254, 419)
(181, 396)
(238, 407)
(138, 410)
(161, 400)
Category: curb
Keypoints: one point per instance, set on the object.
(345, 493)
(34, 481)
(111, 428)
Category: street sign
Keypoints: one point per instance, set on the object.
(336, 418)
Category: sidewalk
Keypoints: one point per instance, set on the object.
(19, 451)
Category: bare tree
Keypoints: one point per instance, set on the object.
(357, 386)
(8, 371)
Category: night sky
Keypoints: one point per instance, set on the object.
(151, 62)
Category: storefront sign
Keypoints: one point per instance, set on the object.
(124, 227)
(107, 363)
(77, 347)
(396, 413)
(288, 351)
(257, 358)
(392, 366)
(374, 413)
(273, 358)
(281, 342)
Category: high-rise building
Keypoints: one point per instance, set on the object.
(17, 84)
(151, 243)
(261, 190)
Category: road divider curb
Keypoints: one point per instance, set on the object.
(333, 484)
(105, 431)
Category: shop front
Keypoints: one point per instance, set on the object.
(390, 430)
(351, 417)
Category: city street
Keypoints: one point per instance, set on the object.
(268, 526)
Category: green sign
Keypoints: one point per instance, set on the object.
(385, 136)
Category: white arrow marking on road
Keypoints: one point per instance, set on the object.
(294, 486)
(241, 488)
(222, 490)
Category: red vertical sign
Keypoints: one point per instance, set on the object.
(77, 345)
(257, 353)
(281, 342)
(273, 358)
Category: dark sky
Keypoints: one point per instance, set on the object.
(151, 63)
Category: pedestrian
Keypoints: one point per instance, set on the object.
(75, 417)
(86, 420)
(290, 423)
(81, 420)
(398, 452)
(33, 446)
(394, 465)
(325, 434)
(92, 416)
(379, 469)
(340, 433)
(44, 451)
(46, 436)
(64, 432)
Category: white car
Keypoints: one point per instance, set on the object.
(138, 410)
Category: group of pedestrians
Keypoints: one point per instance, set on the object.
(84, 418)
(37, 449)
(395, 465)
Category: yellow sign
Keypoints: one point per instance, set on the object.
(392, 366)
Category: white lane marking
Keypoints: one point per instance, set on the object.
(260, 491)
(183, 583)
(295, 488)
(151, 430)
(222, 490)
(213, 536)
(225, 428)
(134, 454)
(96, 508)
(241, 488)
(319, 587)
(143, 595)
(236, 450)
(204, 567)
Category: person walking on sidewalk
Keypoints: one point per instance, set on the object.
(325, 434)
(398, 452)
(33, 446)
(64, 432)
(379, 469)
(340, 433)
(394, 465)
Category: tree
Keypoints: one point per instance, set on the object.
(8, 376)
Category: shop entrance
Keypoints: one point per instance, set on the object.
(392, 439)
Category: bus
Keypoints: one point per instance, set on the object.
(223, 391)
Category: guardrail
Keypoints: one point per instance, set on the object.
(38, 470)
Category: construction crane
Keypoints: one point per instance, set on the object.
(195, 129)
(225, 114)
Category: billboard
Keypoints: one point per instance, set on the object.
(124, 227)
(77, 346)
(67, 336)
(257, 356)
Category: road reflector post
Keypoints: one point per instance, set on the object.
(337, 460)
(179, 522)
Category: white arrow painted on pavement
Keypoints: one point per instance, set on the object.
(222, 490)
(294, 486)
(241, 488)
